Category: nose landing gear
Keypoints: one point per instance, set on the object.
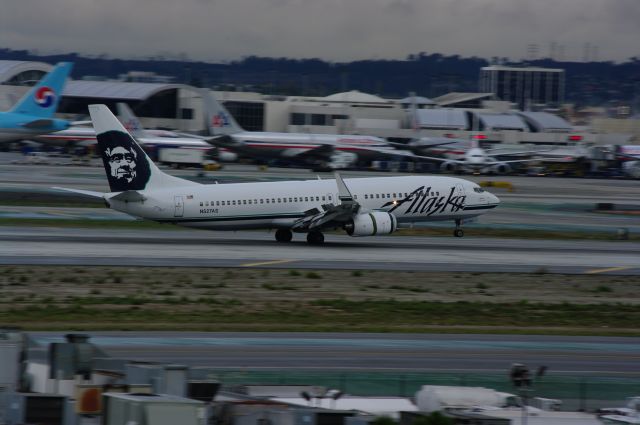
(458, 232)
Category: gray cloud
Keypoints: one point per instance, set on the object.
(329, 29)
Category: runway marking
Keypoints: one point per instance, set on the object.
(610, 269)
(267, 263)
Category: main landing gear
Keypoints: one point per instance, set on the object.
(458, 232)
(284, 235)
(315, 238)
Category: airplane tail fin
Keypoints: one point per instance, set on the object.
(130, 121)
(127, 166)
(219, 120)
(43, 98)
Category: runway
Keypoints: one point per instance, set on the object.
(611, 356)
(64, 246)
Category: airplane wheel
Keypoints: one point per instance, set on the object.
(315, 238)
(284, 235)
(458, 233)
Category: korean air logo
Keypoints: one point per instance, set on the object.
(45, 96)
(220, 120)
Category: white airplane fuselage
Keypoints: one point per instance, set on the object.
(287, 145)
(280, 204)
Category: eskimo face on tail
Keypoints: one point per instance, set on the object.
(126, 165)
(122, 162)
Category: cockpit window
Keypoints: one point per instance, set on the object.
(478, 189)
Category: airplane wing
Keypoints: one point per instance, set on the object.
(333, 215)
(512, 161)
(628, 156)
(41, 123)
(322, 151)
(410, 155)
(515, 153)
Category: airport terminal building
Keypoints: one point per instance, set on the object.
(163, 104)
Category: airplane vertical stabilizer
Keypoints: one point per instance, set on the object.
(219, 120)
(130, 121)
(43, 98)
(127, 166)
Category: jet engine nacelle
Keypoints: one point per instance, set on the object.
(341, 159)
(501, 168)
(449, 167)
(371, 224)
(226, 156)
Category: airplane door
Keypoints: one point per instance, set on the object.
(179, 204)
(459, 192)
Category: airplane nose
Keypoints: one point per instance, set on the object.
(494, 199)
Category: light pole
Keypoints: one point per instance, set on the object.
(521, 379)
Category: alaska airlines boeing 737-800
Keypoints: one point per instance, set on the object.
(362, 206)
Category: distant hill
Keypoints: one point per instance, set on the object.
(430, 75)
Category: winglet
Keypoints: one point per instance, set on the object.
(343, 191)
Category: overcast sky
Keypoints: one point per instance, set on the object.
(335, 30)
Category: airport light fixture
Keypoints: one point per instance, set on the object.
(521, 379)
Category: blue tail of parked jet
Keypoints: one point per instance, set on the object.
(42, 100)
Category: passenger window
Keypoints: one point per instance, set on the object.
(377, 195)
(317, 198)
(279, 200)
(306, 199)
(250, 202)
(290, 200)
(394, 195)
(244, 201)
(323, 198)
(234, 202)
(201, 204)
(366, 196)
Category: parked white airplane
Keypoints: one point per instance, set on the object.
(166, 139)
(334, 151)
(150, 139)
(474, 159)
(362, 207)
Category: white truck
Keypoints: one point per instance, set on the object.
(185, 157)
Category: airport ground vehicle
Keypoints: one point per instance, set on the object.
(185, 157)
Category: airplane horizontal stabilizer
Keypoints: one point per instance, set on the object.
(81, 192)
(129, 196)
(44, 123)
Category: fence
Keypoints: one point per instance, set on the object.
(576, 392)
